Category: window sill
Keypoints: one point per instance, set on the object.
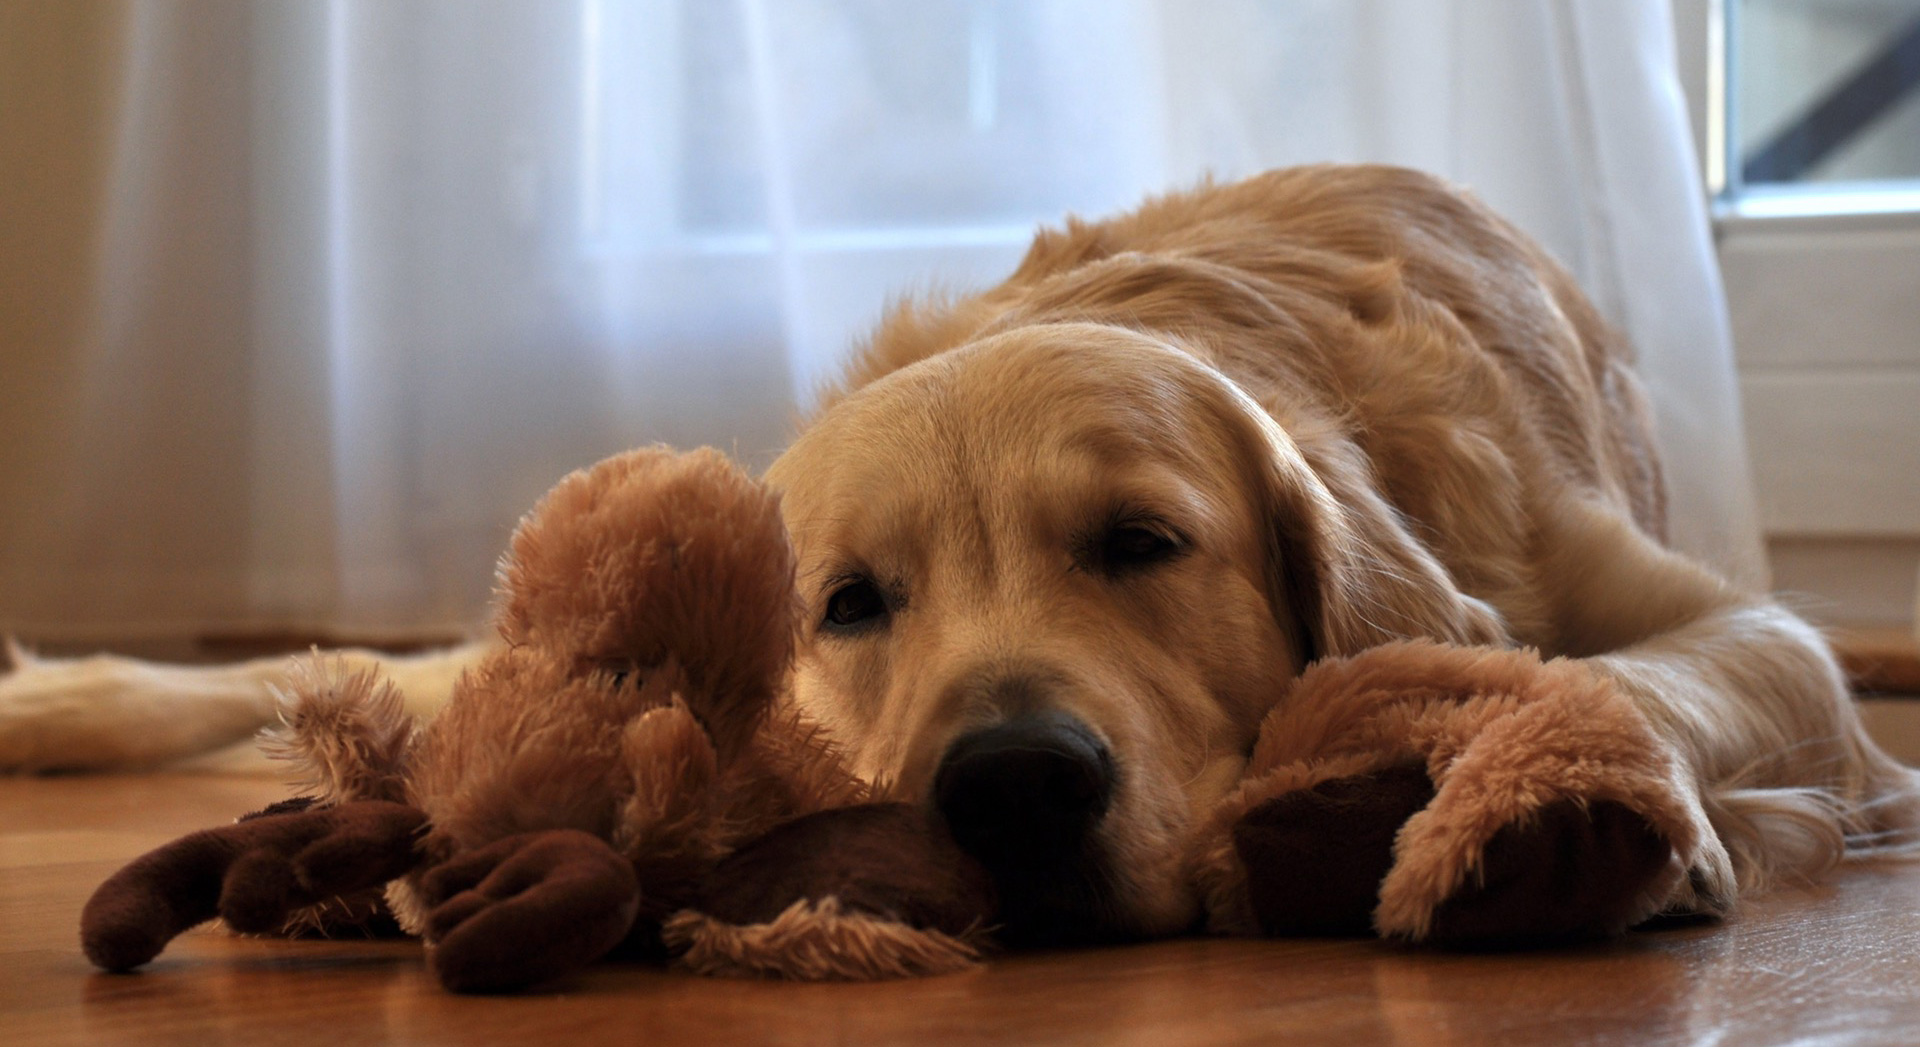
(1829, 206)
(1879, 660)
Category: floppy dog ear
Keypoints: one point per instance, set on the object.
(1345, 563)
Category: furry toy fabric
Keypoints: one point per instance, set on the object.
(1486, 796)
(873, 891)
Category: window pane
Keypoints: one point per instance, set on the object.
(1825, 90)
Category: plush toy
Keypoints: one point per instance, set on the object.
(625, 772)
(621, 770)
(1457, 796)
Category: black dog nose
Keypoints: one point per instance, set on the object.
(1025, 790)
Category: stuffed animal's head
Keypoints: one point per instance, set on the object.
(651, 559)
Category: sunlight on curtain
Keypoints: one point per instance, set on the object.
(370, 275)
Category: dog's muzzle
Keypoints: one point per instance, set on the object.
(1024, 797)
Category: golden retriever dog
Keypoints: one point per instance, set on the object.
(1064, 542)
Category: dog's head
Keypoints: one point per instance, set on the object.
(1054, 580)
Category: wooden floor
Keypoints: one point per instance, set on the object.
(1836, 967)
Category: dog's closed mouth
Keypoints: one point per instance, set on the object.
(1065, 901)
(1024, 798)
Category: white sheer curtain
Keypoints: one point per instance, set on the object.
(362, 277)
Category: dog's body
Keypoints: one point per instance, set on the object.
(1180, 453)
(1065, 542)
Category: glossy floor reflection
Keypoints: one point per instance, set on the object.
(1837, 966)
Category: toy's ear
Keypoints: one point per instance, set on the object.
(1344, 565)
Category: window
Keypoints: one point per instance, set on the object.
(1810, 121)
(820, 122)
(1822, 107)
(826, 148)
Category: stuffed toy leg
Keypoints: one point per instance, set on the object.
(1459, 796)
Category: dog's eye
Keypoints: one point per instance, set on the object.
(858, 602)
(1131, 546)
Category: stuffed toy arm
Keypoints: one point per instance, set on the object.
(253, 874)
(1458, 796)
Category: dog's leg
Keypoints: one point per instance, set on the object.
(1788, 777)
(1749, 695)
(106, 713)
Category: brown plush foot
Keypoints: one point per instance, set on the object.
(252, 873)
(1569, 873)
(527, 909)
(1315, 857)
(873, 891)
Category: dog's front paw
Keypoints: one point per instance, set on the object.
(526, 909)
(872, 891)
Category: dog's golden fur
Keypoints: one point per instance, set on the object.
(1348, 405)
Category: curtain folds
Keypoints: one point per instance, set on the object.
(323, 294)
